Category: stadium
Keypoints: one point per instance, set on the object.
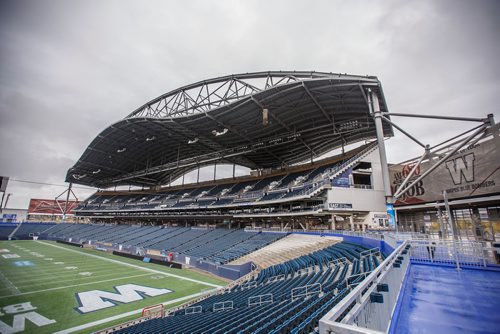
(309, 230)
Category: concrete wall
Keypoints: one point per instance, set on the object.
(366, 201)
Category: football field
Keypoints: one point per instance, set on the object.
(46, 287)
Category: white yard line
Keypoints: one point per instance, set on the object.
(123, 315)
(65, 274)
(10, 285)
(133, 265)
(71, 286)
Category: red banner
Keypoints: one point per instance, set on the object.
(50, 207)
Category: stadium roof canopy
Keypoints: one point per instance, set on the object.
(223, 120)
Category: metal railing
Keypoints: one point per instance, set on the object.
(368, 307)
(457, 253)
(221, 306)
(260, 299)
(276, 278)
(193, 310)
(305, 291)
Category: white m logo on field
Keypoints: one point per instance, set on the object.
(97, 299)
(461, 166)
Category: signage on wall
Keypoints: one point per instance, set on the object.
(342, 180)
(390, 214)
(339, 206)
(470, 172)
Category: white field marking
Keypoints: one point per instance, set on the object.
(71, 277)
(44, 274)
(133, 265)
(123, 315)
(11, 287)
(58, 269)
(72, 286)
(65, 274)
(10, 256)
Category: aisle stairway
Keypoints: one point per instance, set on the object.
(288, 248)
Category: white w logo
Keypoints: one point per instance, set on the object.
(97, 299)
(461, 166)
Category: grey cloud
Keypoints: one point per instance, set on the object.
(71, 68)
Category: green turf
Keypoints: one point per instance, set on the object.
(52, 287)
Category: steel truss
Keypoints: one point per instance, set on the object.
(207, 95)
(470, 137)
(231, 120)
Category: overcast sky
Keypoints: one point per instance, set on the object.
(68, 69)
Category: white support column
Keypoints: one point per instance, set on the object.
(377, 115)
(351, 220)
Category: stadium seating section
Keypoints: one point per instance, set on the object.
(215, 245)
(6, 230)
(258, 189)
(287, 298)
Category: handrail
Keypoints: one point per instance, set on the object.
(342, 314)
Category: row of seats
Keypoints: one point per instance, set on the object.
(248, 307)
(216, 245)
(6, 230)
(263, 189)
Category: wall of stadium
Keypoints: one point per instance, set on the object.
(359, 199)
(368, 204)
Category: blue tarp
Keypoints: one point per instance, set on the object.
(443, 300)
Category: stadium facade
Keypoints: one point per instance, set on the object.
(292, 269)
(278, 124)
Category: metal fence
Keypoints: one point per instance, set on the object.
(305, 291)
(193, 309)
(457, 253)
(221, 306)
(260, 299)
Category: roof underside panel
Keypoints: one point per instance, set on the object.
(309, 114)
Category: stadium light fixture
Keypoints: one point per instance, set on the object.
(96, 171)
(265, 116)
(192, 141)
(219, 133)
(79, 176)
(150, 138)
(121, 150)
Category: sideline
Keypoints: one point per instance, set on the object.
(132, 265)
(123, 315)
